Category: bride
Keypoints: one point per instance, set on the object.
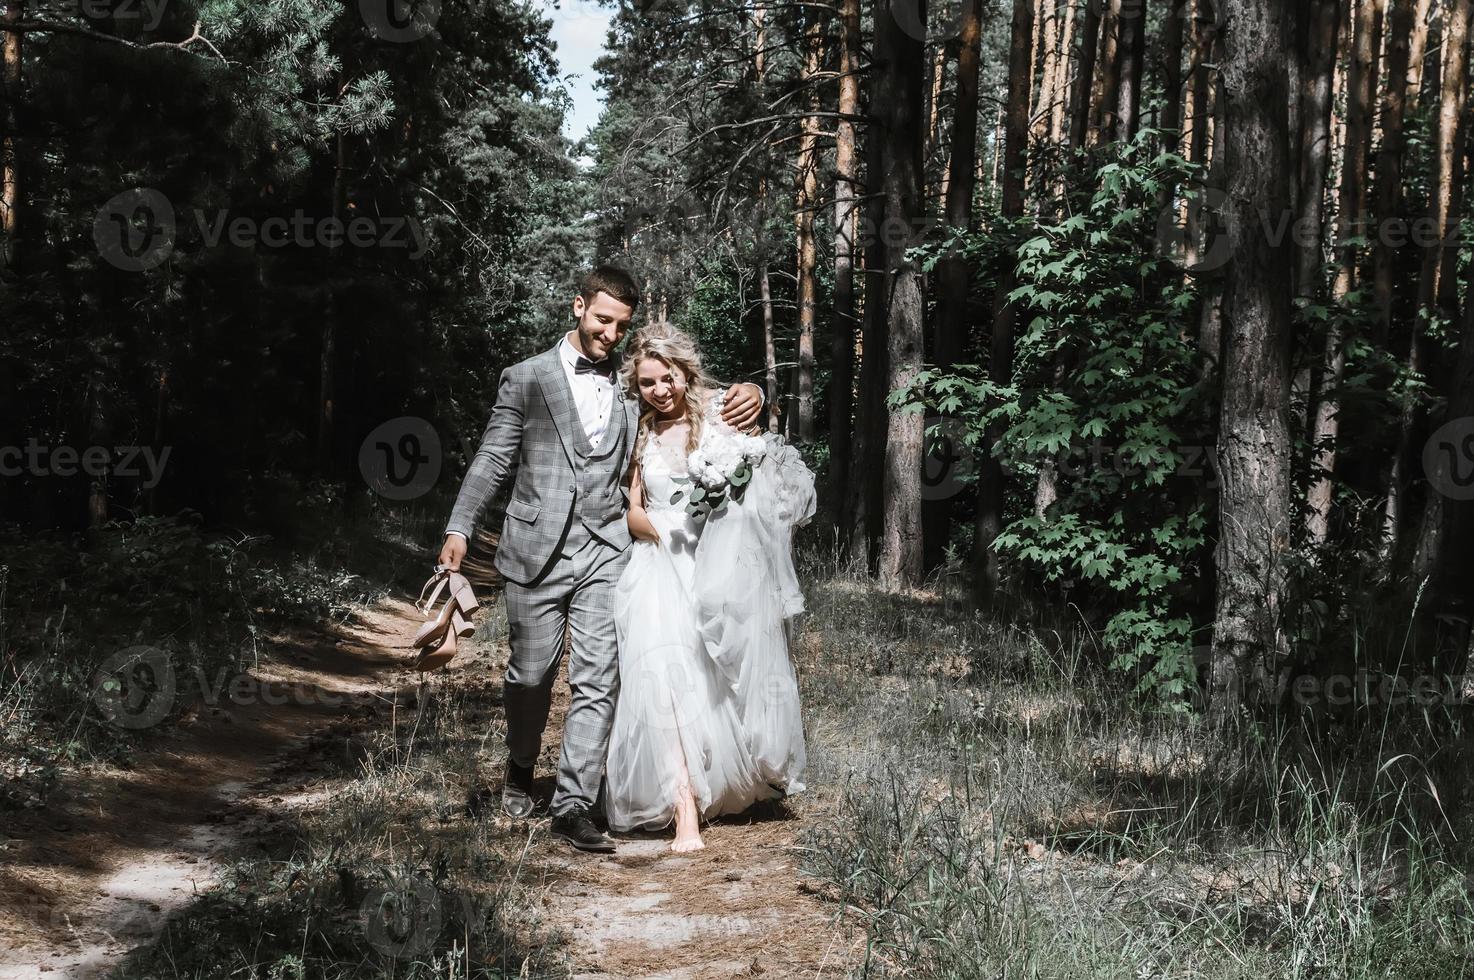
(707, 721)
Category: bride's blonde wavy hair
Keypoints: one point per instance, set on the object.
(675, 349)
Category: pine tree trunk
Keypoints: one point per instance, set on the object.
(1060, 107)
(1404, 22)
(10, 179)
(954, 274)
(1172, 36)
(770, 349)
(1085, 77)
(990, 472)
(1254, 446)
(1110, 73)
(900, 60)
(1131, 57)
(328, 351)
(868, 467)
(1418, 50)
(1445, 550)
(1453, 92)
(1205, 31)
(1448, 275)
(1050, 60)
(1351, 214)
(1315, 157)
(842, 344)
(1213, 158)
(806, 246)
(1388, 170)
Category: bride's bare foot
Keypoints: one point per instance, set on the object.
(688, 823)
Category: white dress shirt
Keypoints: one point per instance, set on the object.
(593, 393)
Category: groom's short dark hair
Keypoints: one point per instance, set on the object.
(612, 280)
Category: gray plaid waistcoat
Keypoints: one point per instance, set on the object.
(564, 491)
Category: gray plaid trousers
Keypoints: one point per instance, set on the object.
(578, 596)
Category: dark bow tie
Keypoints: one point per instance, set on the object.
(586, 366)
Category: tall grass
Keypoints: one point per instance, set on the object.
(1004, 809)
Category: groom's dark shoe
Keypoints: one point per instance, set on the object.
(517, 791)
(577, 828)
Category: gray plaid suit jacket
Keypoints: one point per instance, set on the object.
(534, 428)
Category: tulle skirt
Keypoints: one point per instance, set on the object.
(674, 705)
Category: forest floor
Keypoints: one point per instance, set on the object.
(985, 799)
(122, 867)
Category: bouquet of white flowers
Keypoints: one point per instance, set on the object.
(719, 469)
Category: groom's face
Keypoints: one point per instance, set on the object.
(602, 324)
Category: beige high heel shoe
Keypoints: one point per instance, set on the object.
(437, 639)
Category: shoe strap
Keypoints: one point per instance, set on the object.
(438, 580)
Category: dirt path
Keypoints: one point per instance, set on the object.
(734, 909)
(115, 852)
(100, 869)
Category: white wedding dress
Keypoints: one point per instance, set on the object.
(701, 618)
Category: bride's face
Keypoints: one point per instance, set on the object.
(662, 386)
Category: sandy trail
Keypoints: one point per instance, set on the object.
(99, 870)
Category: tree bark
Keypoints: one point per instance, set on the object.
(1205, 30)
(1172, 36)
(1060, 106)
(328, 350)
(1131, 55)
(1249, 640)
(806, 246)
(1445, 552)
(1388, 197)
(990, 472)
(1418, 50)
(1453, 92)
(1110, 73)
(954, 273)
(1315, 137)
(846, 173)
(1085, 77)
(10, 179)
(900, 60)
(770, 349)
(1361, 90)
(866, 472)
(1050, 88)
(1402, 37)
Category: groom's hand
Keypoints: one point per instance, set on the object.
(743, 405)
(453, 551)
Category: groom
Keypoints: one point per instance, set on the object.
(563, 425)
